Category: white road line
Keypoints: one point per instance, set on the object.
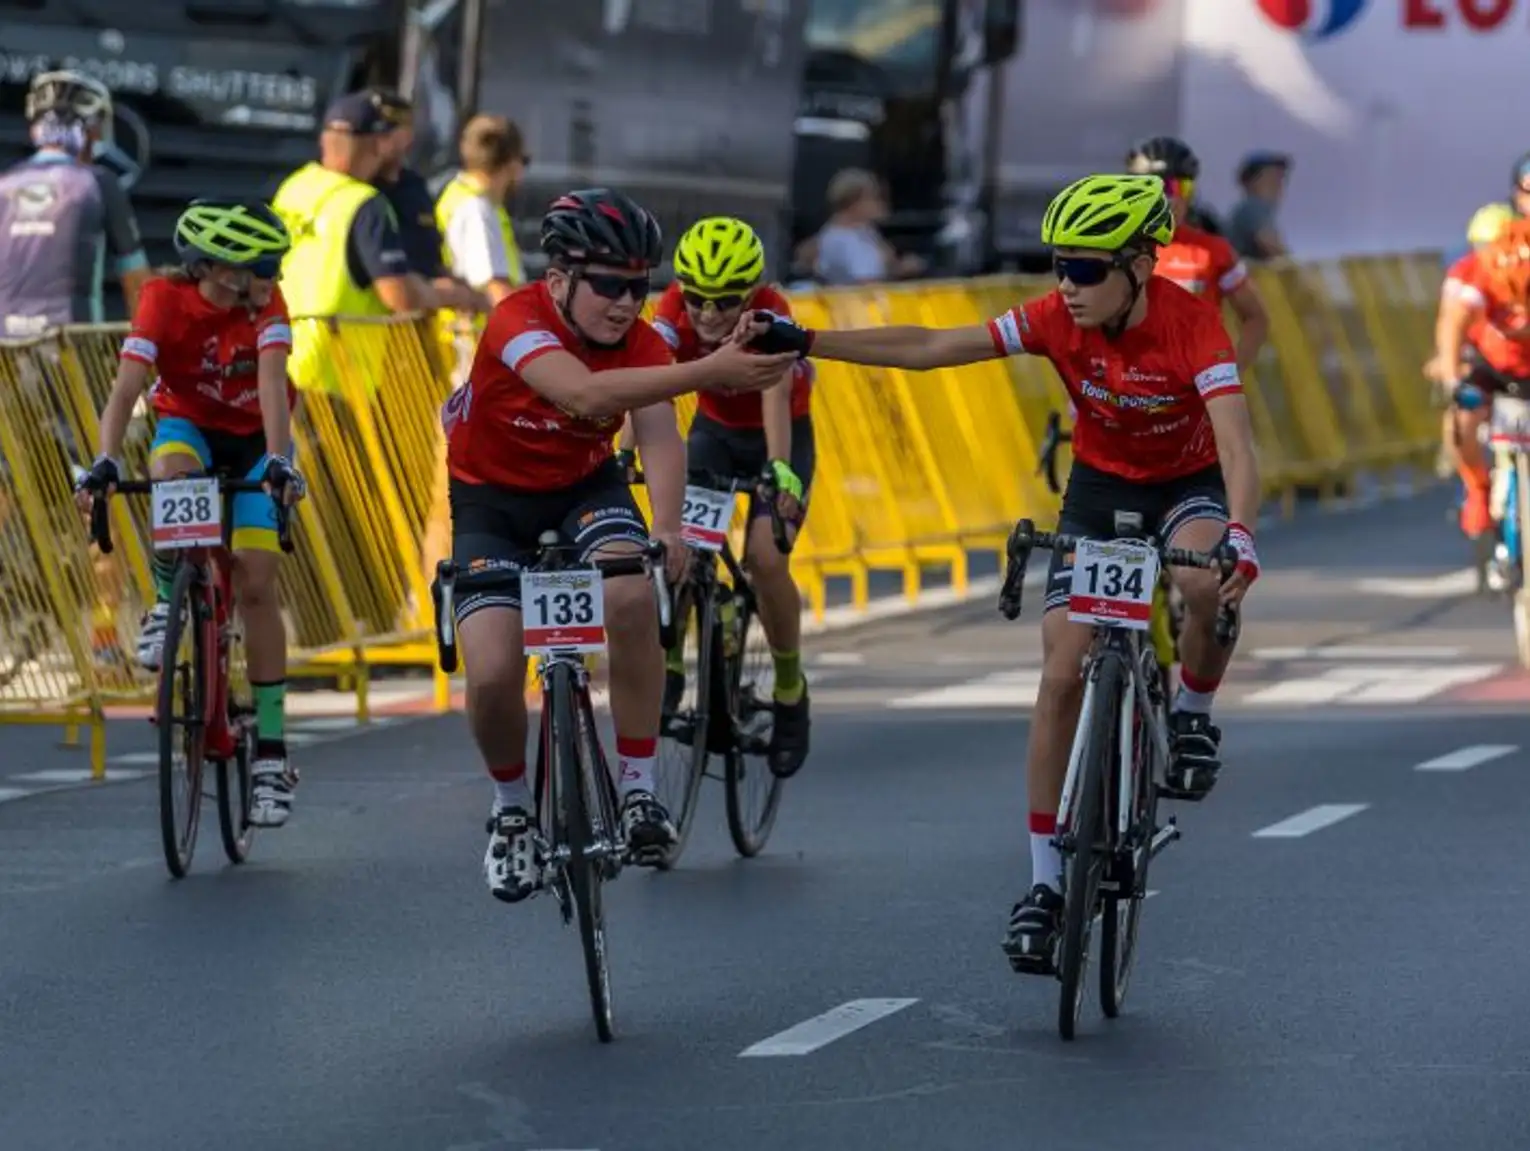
(1015, 688)
(1313, 819)
(821, 1030)
(1467, 758)
(76, 775)
(1361, 684)
(8, 793)
(1463, 581)
(837, 659)
(1356, 652)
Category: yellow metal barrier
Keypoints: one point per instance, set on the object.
(916, 471)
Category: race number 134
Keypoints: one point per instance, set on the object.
(1113, 582)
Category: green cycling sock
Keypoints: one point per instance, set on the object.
(271, 710)
(790, 683)
(163, 568)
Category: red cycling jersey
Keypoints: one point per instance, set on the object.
(205, 355)
(1500, 330)
(671, 321)
(1141, 399)
(1202, 263)
(501, 431)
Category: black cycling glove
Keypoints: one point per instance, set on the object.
(783, 335)
(103, 474)
(281, 476)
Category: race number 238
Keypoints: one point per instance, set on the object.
(1113, 582)
(186, 514)
(563, 611)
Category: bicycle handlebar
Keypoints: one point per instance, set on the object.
(764, 486)
(1046, 456)
(450, 580)
(101, 523)
(1025, 538)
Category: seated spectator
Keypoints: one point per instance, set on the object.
(849, 249)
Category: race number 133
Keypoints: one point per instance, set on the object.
(563, 611)
(1113, 583)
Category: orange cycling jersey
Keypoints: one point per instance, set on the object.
(1140, 399)
(1500, 330)
(205, 355)
(1203, 264)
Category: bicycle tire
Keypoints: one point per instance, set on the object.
(234, 789)
(178, 836)
(584, 876)
(684, 812)
(1084, 861)
(741, 704)
(1121, 916)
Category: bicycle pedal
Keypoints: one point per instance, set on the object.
(1031, 964)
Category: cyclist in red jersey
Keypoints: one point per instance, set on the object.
(1196, 260)
(1482, 347)
(1162, 429)
(216, 332)
(529, 450)
(719, 264)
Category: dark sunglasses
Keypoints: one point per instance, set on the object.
(1083, 271)
(611, 287)
(721, 303)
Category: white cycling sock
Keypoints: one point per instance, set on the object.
(515, 793)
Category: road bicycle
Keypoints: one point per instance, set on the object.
(732, 712)
(199, 714)
(579, 843)
(1107, 822)
(1168, 614)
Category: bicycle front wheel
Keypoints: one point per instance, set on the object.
(1087, 855)
(181, 716)
(1121, 916)
(752, 790)
(583, 870)
(234, 792)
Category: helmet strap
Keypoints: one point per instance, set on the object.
(1115, 327)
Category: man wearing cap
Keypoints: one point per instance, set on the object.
(1251, 224)
(347, 256)
(413, 205)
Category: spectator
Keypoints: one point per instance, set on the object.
(849, 249)
(1251, 224)
(347, 256)
(60, 214)
(471, 213)
(410, 198)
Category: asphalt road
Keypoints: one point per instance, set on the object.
(1352, 977)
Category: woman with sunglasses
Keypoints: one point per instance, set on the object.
(216, 332)
(719, 266)
(529, 450)
(1162, 429)
(1195, 259)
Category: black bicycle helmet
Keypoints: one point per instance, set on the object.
(1166, 156)
(600, 226)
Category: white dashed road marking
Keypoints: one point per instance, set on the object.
(1313, 819)
(1002, 689)
(1467, 757)
(821, 1030)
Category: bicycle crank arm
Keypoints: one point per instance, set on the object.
(1164, 836)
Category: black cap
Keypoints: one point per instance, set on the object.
(357, 113)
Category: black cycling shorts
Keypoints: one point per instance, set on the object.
(499, 527)
(1093, 498)
(1489, 380)
(739, 453)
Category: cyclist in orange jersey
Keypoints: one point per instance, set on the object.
(1198, 261)
(1482, 347)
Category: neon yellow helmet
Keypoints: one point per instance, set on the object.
(1488, 223)
(1109, 213)
(234, 233)
(719, 255)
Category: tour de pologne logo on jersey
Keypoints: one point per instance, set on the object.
(1150, 404)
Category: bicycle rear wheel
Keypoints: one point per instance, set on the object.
(1086, 856)
(753, 791)
(684, 730)
(579, 833)
(1122, 912)
(181, 715)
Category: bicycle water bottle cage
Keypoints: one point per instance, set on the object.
(1128, 524)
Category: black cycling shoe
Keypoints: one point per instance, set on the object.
(1034, 925)
(789, 737)
(650, 831)
(1193, 761)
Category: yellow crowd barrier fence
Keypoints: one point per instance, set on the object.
(916, 472)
